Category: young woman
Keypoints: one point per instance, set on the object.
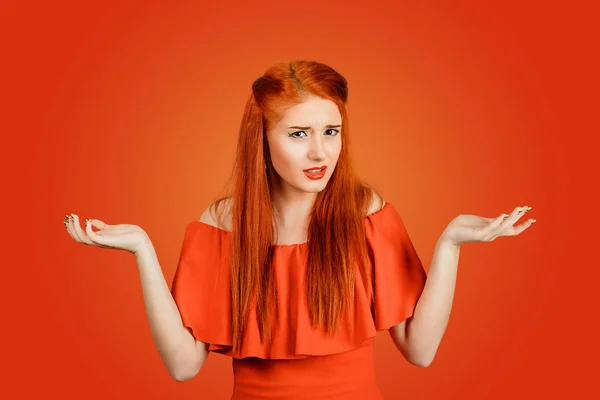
(296, 269)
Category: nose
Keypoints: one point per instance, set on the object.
(316, 151)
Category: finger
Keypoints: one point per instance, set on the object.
(66, 224)
(521, 227)
(77, 229)
(99, 225)
(79, 232)
(507, 222)
(490, 220)
(517, 213)
(495, 229)
(503, 223)
(494, 224)
(71, 229)
(96, 223)
(94, 237)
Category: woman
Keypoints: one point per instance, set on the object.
(296, 269)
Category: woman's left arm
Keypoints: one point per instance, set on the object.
(423, 332)
(419, 336)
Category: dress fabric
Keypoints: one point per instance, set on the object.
(302, 362)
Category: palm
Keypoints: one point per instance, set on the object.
(469, 228)
(118, 232)
(122, 236)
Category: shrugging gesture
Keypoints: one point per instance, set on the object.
(468, 228)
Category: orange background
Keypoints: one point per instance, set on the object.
(130, 114)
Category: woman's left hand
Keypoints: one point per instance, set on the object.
(468, 228)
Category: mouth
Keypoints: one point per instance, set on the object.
(316, 169)
(315, 173)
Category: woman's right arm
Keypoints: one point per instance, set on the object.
(181, 353)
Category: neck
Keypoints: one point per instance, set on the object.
(292, 207)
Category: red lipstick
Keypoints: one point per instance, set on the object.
(316, 172)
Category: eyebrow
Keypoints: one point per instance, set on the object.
(308, 127)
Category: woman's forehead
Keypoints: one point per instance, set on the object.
(313, 113)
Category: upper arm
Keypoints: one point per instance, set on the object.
(377, 202)
(397, 332)
(201, 349)
(207, 216)
(218, 214)
(200, 354)
(398, 335)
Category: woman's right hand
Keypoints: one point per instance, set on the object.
(127, 237)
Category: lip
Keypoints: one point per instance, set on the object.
(323, 167)
(315, 175)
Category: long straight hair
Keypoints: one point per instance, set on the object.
(336, 246)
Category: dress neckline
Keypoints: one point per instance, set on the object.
(293, 245)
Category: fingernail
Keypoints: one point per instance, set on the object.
(533, 221)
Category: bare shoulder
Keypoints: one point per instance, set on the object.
(218, 214)
(377, 202)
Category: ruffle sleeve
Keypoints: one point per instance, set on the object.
(399, 276)
(201, 290)
(201, 287)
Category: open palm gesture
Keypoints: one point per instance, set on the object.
(122, 236)
(468, 228)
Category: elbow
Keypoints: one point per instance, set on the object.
(185, 372)
(190, 363)
(179, 378)
(422, 363)
(422, 360)
(183, 375)
(419, 357)
(180, 375)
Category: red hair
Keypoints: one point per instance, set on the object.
(336, 246)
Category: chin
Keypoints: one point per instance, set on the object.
(314, 186)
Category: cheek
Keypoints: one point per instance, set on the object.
(333, 150)
(285, 157)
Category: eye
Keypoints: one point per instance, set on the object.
(293, 133)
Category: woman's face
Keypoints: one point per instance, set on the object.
(307, 136)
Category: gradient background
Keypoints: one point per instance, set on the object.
(130, 113)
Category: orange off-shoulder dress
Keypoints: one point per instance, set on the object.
(301, 362)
